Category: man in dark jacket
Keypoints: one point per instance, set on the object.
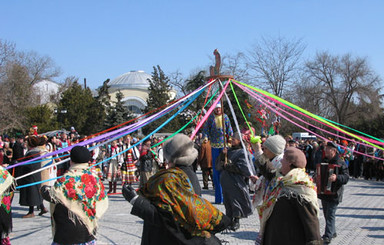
(330, 202)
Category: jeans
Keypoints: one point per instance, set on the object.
(329, 210)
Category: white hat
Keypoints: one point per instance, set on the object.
(276, 144)
(218, 105)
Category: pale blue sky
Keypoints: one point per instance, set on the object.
(104, 39)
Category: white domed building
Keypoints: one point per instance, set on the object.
(134, 86)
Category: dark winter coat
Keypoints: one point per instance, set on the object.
(341, 179)
(300, 224)
(234, 180)
(30, 196)
(146, 161)
(160, 227)
(71, 231)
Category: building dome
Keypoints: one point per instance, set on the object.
(131, 80)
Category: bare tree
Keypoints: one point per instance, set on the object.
(274, 62)
(17, 96)
(342, 86)
(236, 66)
(39, 67)
(18, 72)
(177, 82)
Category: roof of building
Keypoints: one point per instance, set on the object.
(131, 80)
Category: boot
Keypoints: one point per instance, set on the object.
(110, 187)
(235, 224)
(114, 187)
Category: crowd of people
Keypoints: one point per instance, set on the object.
(271, 176)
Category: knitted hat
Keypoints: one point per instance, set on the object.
(180, 150)
(236, 135)
(275, 144)
(295, 156)
(80, 154)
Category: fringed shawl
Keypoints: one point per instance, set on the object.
(83, 194)
(171, 190)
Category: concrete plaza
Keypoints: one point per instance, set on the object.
(359, 220)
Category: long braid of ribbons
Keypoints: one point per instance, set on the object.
(251, 168)
(102, 137)
(305, 115)
(195, 94)
(376, 140)
(308, 113)
(270, 106)
(131, 128)
(299, 119)
(157, 129)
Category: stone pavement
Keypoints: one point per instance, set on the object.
(359, 220)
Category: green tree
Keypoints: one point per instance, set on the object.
(119, 113)
(75, 109)
(96, 117)
(41, 116)
(159, 95)
(104, 99)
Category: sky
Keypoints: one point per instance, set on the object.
(98, 39)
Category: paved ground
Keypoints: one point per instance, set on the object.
(360, 220)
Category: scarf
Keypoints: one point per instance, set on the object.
(6, 181)
(83, 193)
(171, 190)
(296, 180)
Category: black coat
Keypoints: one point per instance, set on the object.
(293, 221)
(341, 179)
(146, 162)
(160, 227)
(18, 151)
(30, 196)
(67, 231)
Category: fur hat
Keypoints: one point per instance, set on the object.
(80, 154)
(275, 144)
(295, 157)
(180, 150)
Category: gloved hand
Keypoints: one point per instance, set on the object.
(128, 192)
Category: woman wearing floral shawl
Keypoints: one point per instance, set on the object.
(289, 211)
(7, 185)
(78, 200)
(172, 212)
